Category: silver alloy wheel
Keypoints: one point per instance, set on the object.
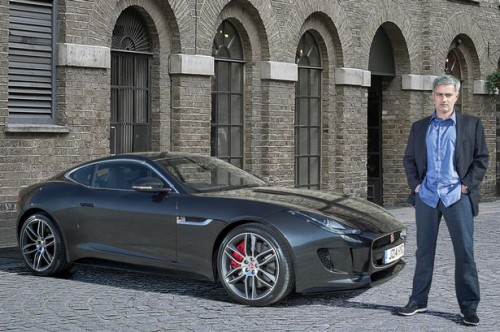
(38, 244)
(250, 266)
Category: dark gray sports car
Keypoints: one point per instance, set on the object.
(199, 216)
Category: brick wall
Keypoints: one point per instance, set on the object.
(191, 112)
(421, 33)
(350, 141)
(7, 194)
(278, 99)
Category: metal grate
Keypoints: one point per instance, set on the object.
(386, 240)
(31, 67)
(130, 85)
(130, 33)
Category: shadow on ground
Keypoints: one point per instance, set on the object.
(11, 262)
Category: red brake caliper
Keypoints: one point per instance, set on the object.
(235, 263)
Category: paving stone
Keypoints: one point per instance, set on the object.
(110, 300)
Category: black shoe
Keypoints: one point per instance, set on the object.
(412, 308)
(470, 317)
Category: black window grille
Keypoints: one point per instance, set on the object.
(130, 85)
(308, 114)
(227, 96)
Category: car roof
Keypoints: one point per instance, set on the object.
(151, 155)
(138, 156)
(155, 155)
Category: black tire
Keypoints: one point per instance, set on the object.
(42, 246)
(255, 266)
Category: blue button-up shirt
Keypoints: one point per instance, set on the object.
(441, 180)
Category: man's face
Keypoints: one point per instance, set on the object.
(445, 98)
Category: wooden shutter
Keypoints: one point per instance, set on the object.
(31, 54)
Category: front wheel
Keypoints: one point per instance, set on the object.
(255, 266)
(42, 246)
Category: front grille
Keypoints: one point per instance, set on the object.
(380, 245)
(386, 240)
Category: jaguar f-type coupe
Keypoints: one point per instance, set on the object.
(197, 215)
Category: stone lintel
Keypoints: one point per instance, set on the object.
(279, 71)
(353, 76)
(189, 64)
(417, 82)
(424, 83)
(481, 89)
(78, 55)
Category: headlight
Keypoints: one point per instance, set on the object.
(403, 234)
(325, 222)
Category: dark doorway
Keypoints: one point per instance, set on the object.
(382, 66)
(374, 164)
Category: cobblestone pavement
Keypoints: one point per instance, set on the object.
(111, 300)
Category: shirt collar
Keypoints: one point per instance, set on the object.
(453, 117)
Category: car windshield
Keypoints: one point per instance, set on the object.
(203, 173)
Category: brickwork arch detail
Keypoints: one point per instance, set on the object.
(463, 23)
(332, 16)
(160, 19)
(253, 19)
(323, 26)
(159, 16)
(401, 32)
(250, 30)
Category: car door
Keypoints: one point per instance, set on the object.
(119, 223)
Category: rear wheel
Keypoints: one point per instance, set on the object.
(42, 246)
(255, 266)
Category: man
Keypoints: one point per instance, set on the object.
(445, 161)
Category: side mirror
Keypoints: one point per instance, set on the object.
(150, 184)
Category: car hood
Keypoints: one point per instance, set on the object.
(354, 212)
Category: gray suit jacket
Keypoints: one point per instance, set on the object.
(470, 160)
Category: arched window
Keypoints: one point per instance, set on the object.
(308, 114)
(227, 96)
(130, 85)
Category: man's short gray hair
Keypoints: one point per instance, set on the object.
(446, 80)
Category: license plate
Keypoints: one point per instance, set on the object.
(390, 255)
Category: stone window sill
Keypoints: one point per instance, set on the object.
(467, 1)
(35, 128)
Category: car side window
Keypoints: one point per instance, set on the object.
(83, 175)
(120, 175)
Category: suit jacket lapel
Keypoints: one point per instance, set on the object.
(422, 135)
(460, 138)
